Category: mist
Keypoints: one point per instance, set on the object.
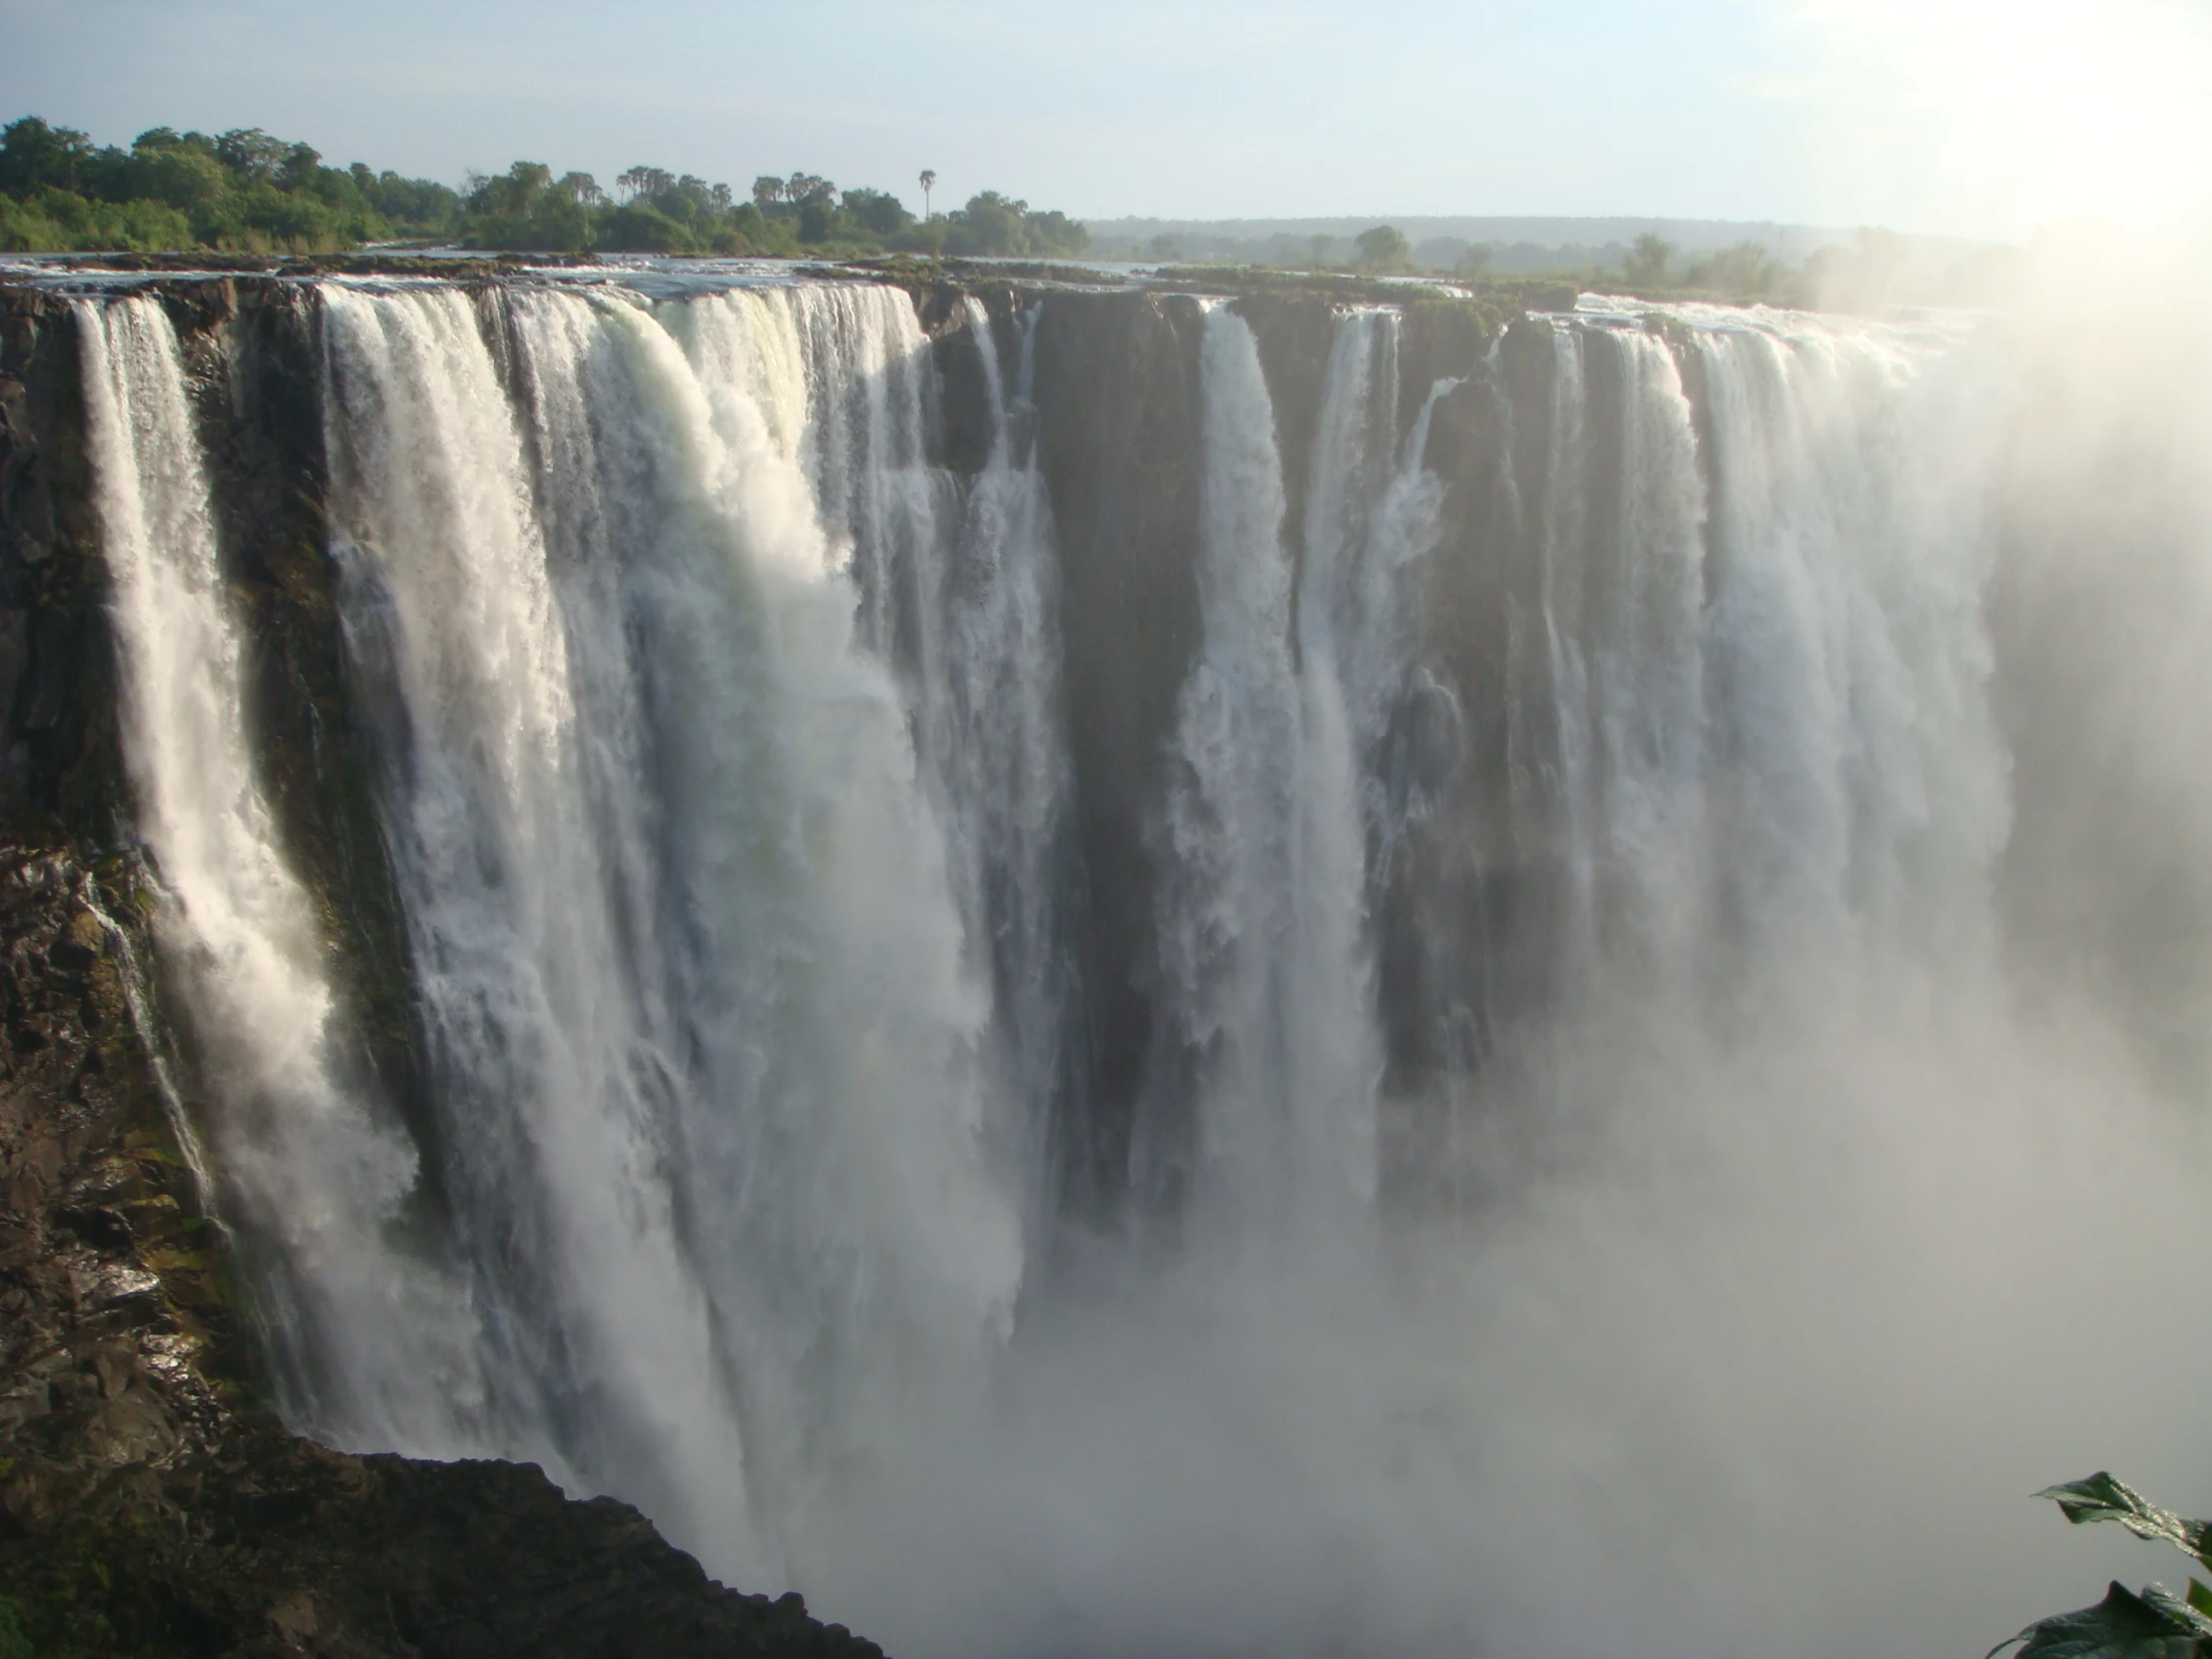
(1782, 1284)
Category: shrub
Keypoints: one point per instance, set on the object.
(2153, 1624)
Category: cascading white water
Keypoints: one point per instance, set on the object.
(860, 438)
(1622, 605)
(305, 1155)
(1260, 914)
(596, 1331)
(1275, 805)
(990, 729)
(679, 911)
(724, 781)
(1850, 655)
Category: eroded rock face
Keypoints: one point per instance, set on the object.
(1118, 408)
(59, 761)
(147, 1504)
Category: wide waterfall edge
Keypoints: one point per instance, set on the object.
(1455, 416)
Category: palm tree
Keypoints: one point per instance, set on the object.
(929, 181)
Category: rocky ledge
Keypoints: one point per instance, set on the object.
(147, 1506)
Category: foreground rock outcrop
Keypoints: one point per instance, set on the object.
(147, 1505)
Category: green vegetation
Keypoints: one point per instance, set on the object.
(2124, 1625)
(656, 212)
(247, 191)
(1383, 248)
(243, 191)
(1743, 270)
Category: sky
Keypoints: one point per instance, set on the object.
(1985, 118)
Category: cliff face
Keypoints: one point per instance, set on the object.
(1118, 416)
(146, 1506)
(148, 1503)
(1446, 919)
(59, 764)
(1119, 408)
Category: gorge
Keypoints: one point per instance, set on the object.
(1094, 969)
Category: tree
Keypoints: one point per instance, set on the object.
(644, 181)
(1745, 269)
(877, 210)
(1384, 248)
(300, 167)
(1316, 249)
(1474, 261)
(250, 153)
(991, 224)
(178, 176)
(1648, 258)
(34, 155)
(524, 208)
(1052, 232)
(249, 190)
(928, 183)
(640, 227)
(422, 205)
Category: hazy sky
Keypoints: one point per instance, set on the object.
(1982, 116)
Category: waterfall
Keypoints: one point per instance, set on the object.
(307, 1158)
(678, 907)
(1847, 652)
(1232, 797)
(993, 740)
(1589, 1106)
(1622, 607)
(1264, 916)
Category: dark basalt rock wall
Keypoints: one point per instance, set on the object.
(1118, 416)
(146, 1506)
(1458, 962)
(60, 767)
(1295, 335)
(250, 359)
(251, 352)
(1119, 402)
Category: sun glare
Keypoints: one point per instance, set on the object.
(2020, 114)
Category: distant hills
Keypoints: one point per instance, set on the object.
(1514, 243)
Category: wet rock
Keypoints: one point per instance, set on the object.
(146, 1507)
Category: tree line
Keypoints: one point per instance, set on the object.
(652, 211)
(244, 191)
(1745, 270)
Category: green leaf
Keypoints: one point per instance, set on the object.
(2200, 1596)
(2153, 1625)
(2101, 1498)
